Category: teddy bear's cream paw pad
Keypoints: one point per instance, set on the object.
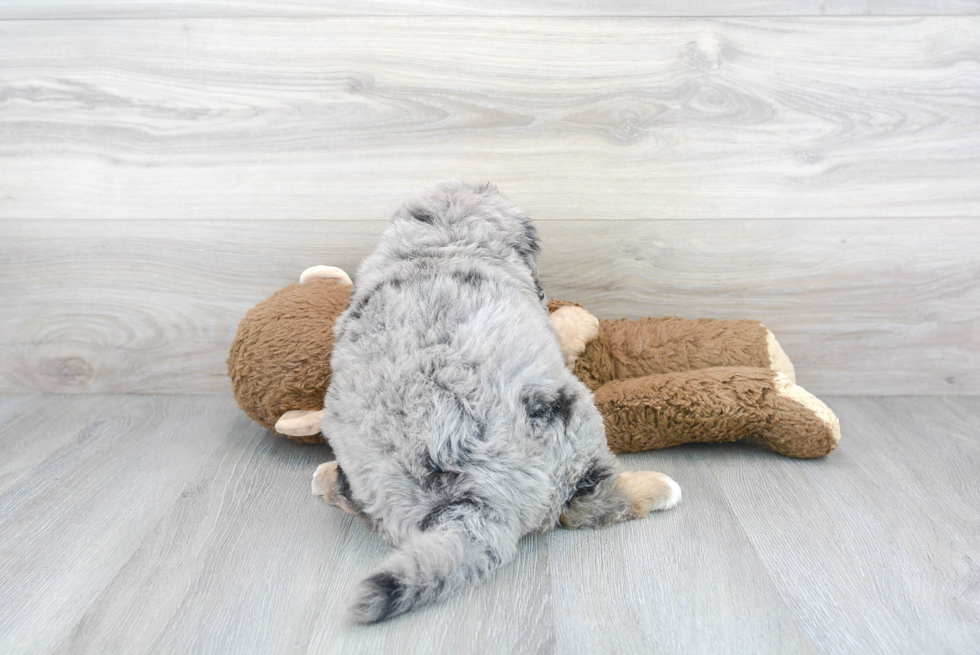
(575, 328)
(786, 388)
(778, 359)
(648, 491)
(300, 423)
(326, 273)
(325, 479)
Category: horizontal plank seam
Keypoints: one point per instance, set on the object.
(486, 17)
(12, 219)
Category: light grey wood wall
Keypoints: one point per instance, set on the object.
(861, 305)
(586, 118)
(164, 166)
(241, 8)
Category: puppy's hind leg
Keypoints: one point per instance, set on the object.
(628, 496)
(330, 482)
(648, 491)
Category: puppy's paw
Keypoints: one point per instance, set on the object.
(325, 480)
(575, 328)
(648, 491)
(326, 483)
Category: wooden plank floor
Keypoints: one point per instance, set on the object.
(174, 524)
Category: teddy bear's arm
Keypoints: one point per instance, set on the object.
(300, 423)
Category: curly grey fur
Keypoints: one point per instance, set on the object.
(450, 409)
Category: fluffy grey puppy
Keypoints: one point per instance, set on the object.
(456, 425)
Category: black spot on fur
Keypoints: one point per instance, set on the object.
(343, 484)
(537, 410)
(561, 407)
(493, 557)
(531, 235)
(435, 477)
(389, 590)
(550, 410)
(358, 310)
(422, 217)
(343, 489)
(481, 431)
(469, 278)
(528, 248)
(450, 509)
(588, 482)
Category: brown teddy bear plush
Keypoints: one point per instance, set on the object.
(658, 382)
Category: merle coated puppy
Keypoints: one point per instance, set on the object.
(457, 427)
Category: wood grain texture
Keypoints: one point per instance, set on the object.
(233, 554)
(31, 433)
(73, 9)
(72, 523)
(861, 306)
(684, 581)
(869, 307)
(173, 524)
(627, 118)
(890, 504)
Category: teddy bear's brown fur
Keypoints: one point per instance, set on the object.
(280, 359)
(662, 382)
(658, 382)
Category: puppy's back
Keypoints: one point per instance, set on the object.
(445, 335)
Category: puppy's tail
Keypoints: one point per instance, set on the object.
(428, 567)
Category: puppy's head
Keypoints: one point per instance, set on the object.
(470, 216)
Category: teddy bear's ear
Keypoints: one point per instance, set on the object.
(326, 273)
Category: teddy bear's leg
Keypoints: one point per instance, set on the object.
(326, 273)
(799, 412)
(575, 328)
(330, 482)
(778, 359)
(300, 423)
(716, 405)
